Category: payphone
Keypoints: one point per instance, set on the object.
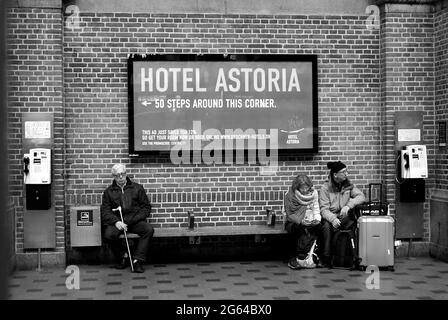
(39, 211)
(37, 178)
(414, 169)
(413, 162)
(410, 175)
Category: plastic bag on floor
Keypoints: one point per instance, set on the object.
(311, 259)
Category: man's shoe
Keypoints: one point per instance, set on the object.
(326, 262)
(123, 264)
(138, 267)
(294, 264)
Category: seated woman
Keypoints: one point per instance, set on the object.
(302, 217)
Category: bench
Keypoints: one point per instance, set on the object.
(256, 229)
(219, 231)
(213, 231)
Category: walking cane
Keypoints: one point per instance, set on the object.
(125, 237)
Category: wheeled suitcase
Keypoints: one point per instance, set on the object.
(376, 241)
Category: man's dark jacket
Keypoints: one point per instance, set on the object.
(133, 200)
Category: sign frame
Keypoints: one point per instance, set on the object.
(134, 152)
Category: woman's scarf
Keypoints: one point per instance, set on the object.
(297, 203)
(304, 200)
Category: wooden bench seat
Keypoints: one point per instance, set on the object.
(219, 231)
(255, 229)
(214, 231)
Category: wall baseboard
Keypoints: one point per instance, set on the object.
(29, 261)
(417, 249)
(438, 252)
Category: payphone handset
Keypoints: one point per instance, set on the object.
(413, 162)
(37, 166)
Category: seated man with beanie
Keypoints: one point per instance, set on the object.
(337, 197)
(135, 207)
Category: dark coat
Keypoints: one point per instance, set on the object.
(133, 200)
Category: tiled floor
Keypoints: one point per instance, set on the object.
(414, 278)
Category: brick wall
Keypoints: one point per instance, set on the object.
(364, 76)
(34, 51)
(95, 91)
(441, 101)
(407, 54)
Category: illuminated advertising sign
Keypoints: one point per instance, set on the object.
(193, 101)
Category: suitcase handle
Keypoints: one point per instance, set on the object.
(371, 185)
(380, 200)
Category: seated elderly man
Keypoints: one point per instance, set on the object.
(135, 207)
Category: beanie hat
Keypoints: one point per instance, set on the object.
(335, 166)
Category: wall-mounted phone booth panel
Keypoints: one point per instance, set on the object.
(412, 190)
(39, 212)
(39, 229)
(38, 196)
(411, 169)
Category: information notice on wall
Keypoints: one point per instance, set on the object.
(37, 129)
(244, 100)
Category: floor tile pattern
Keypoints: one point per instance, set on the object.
(419, 278)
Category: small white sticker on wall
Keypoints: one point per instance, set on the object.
(408, 134)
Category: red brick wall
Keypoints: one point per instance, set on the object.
(441, 96)
(34, 38)
(96, 107)
(364, 76)
(407, 55)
